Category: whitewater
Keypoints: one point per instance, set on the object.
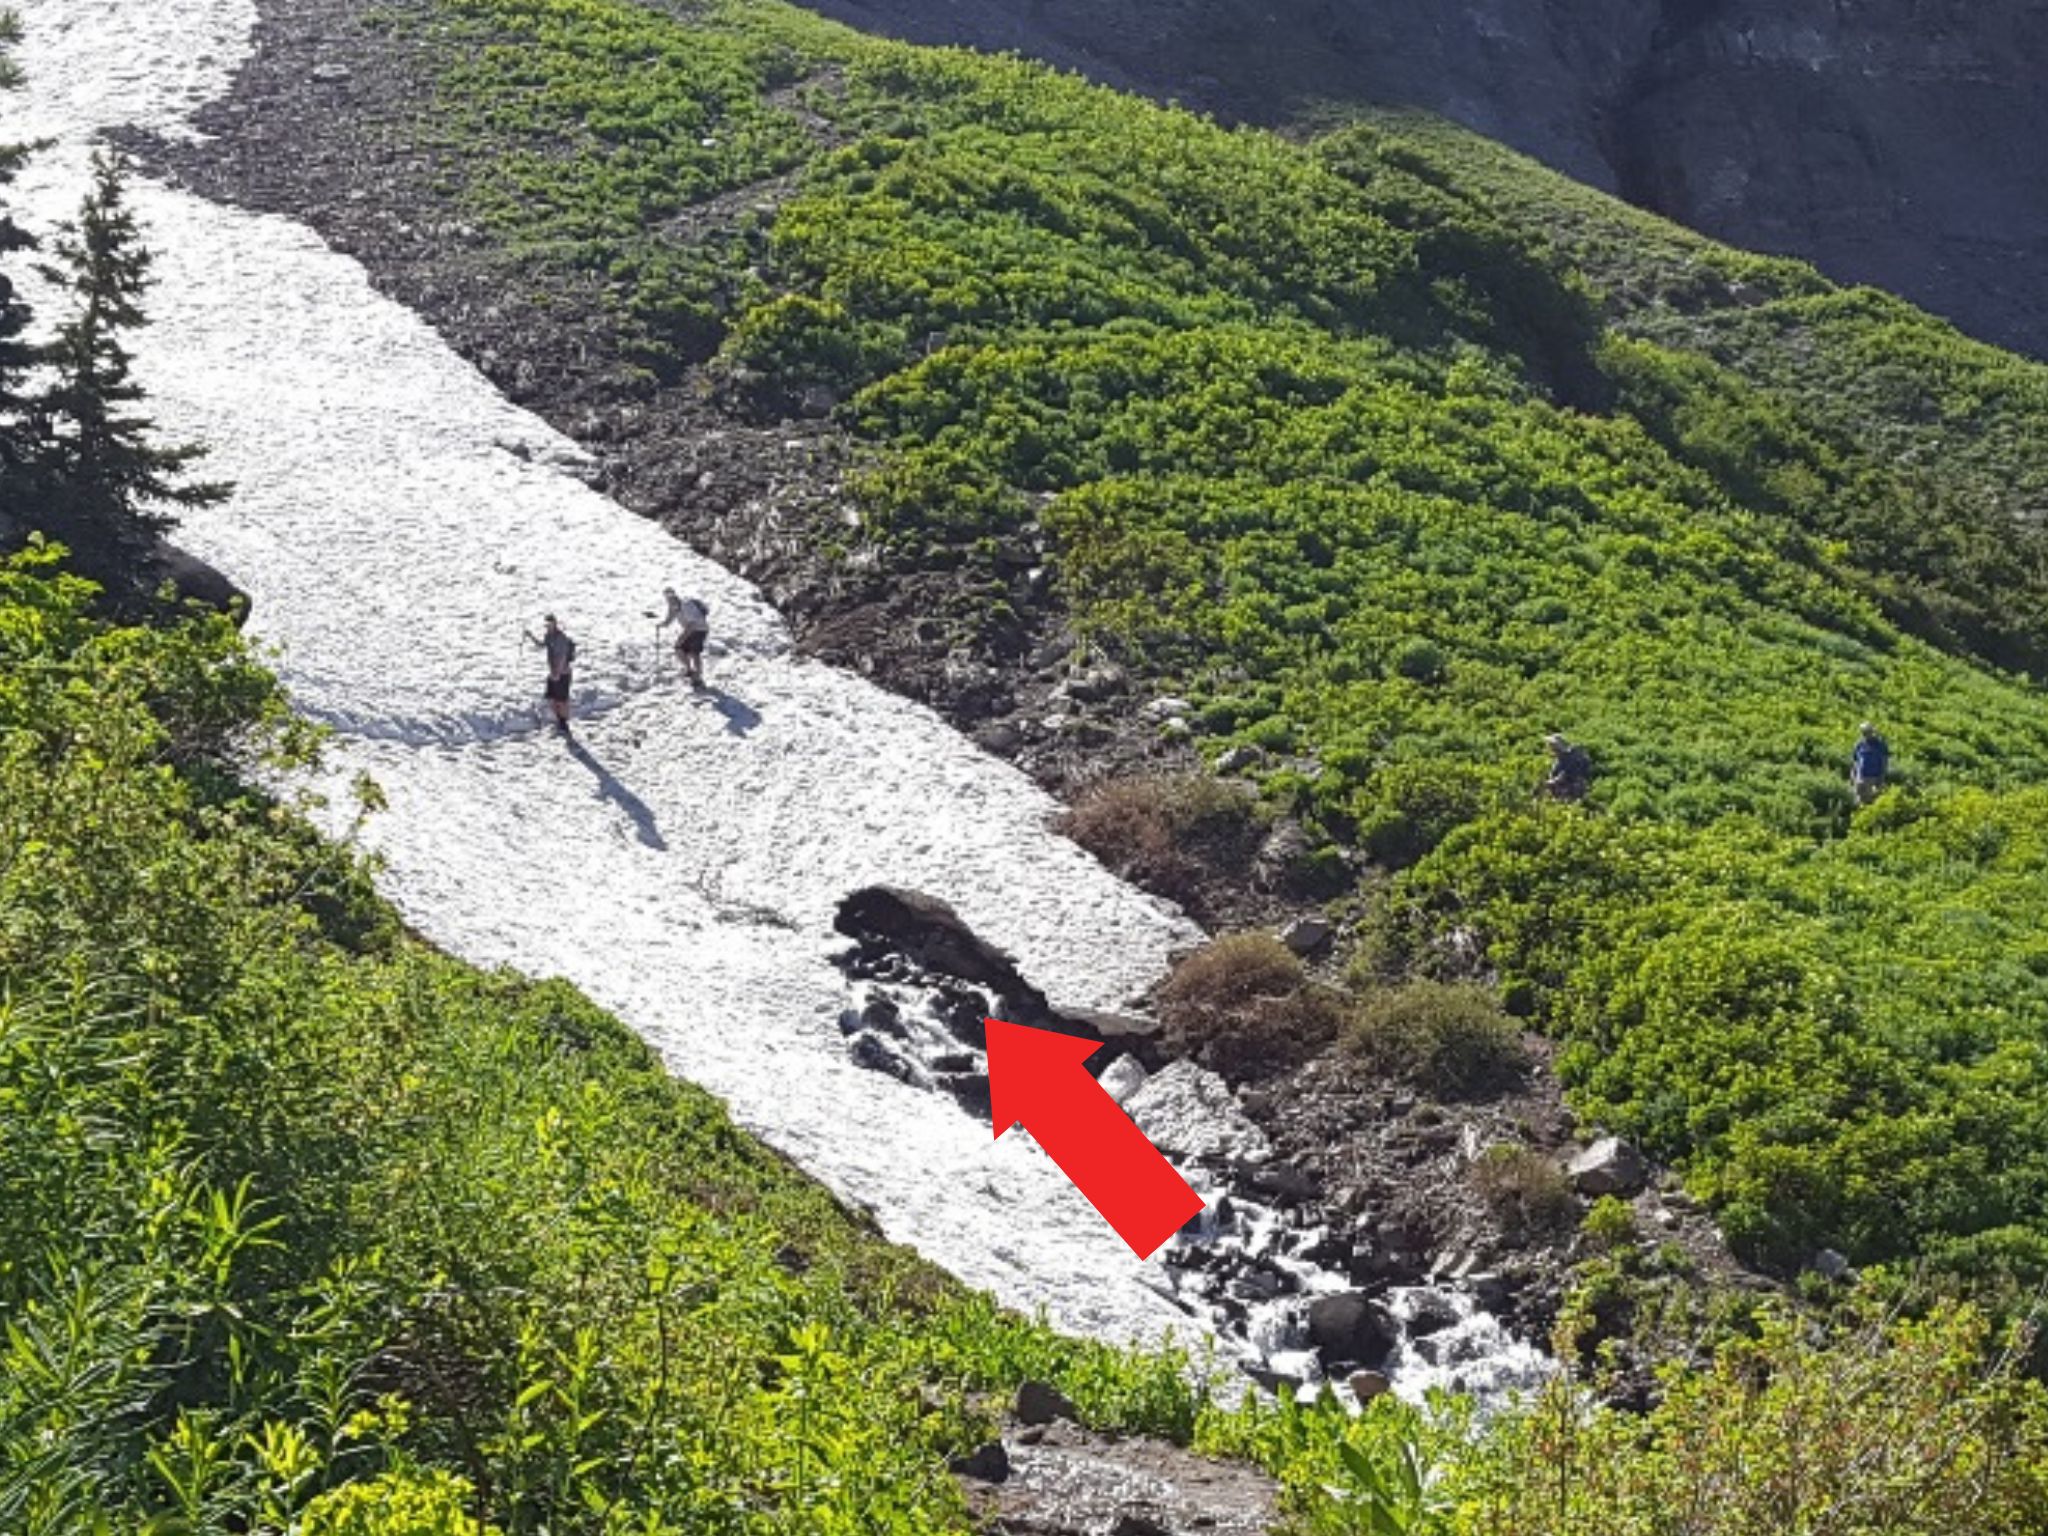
(398, 524)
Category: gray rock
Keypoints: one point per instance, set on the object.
(331, 74)
(1040, 1402)
(1610, 1166)
(1130, 1034)
(1001, 738)
(1190, 1112)
(818, 401)
(1307, 934)
(971, 1090)
(1830, 1265)
(869, 1051)
(1097, 685)
(934, 936)
(1237, 759)
(988, 1463)
(1284, 1184)
(1352, 1326)
(1367, 1385)
(1122, 1078)
(1169, 708)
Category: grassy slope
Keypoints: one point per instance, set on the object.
(291, 1206)
(1394, 452)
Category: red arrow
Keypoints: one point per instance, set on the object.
(1036, 1076)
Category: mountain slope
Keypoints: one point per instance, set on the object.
(1392, 456)
(1886, 142)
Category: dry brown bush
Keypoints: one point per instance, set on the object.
(1167, 832)
(1526, 1192)
(1242, 1006)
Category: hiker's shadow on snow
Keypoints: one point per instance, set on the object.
(622, 797)
(740, 716)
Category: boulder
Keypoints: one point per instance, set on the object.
(933, 935)
(1610, 1166)
(1095, 686)
(988, 1463)
(882, 1015)
(971, 1090)
(1128, 1034)
(1040, 1402)
(197, 582)
(1367, 1385)
(1238, 759)
(1430, 1312)
(1307, 934)
(1285, 1184)
(1352, 1326)
(1189, 1112)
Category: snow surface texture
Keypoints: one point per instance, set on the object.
(398, 524)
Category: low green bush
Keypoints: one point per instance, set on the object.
(1451, 1039)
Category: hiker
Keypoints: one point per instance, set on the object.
(561, 658)
(1571, 770)
(693, 620)
(1868, 764)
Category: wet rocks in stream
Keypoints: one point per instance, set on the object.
(1305, 1273)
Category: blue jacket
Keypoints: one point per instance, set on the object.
(1871, 759)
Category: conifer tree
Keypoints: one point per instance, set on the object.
(108, 475)
(17, 354)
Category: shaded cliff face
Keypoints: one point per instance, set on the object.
(1892, 142)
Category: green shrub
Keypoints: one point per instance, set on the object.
(1450, 1039)
(1609, 1223)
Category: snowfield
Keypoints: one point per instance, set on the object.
(398, 525)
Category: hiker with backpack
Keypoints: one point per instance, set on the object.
(561, 653)
(692, 617)
(1869, 762)
(1571, 770)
